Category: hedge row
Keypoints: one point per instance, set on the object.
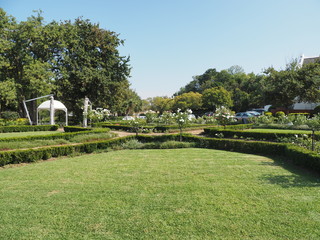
(67, 136)
(28, 128)
(295, 154)
(270, 136)
(32, 155)
(75, 129)
(164, 128)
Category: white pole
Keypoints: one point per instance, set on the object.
(66, 117)
(51, 110)
(85, 112)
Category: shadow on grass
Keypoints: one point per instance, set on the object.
(299, 177)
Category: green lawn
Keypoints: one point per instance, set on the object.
(25, 134)
(264, 130)
(159, 194)
(90, 136)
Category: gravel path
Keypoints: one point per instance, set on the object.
(198, 132)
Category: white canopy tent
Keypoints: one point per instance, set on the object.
(52, 105)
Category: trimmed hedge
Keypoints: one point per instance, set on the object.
(28, 128)
(62, 135)
(75, 129)
(213, 132)
(44, 153)
(163, 128)
(297, 155)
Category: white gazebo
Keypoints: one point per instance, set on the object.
(52, 105)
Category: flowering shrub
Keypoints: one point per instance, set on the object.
(98, 115)
(167, 118)
(224, 116)
(151, 116)
(182, 119)
(136, 125)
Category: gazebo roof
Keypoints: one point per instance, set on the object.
(57, 105)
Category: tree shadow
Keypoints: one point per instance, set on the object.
(299, 177)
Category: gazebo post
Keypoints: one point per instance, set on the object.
(66, 117)
(51, 111)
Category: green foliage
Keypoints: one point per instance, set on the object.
(224, 116)
(176, 144)
(271, 135)
(132, 144)
(280, 114)
(137, 125)
(216, 97)
(70, 59)
(22, 128)
(9, 115)
(75, 129)
(189, 100)
(161, 104)
(98, 115)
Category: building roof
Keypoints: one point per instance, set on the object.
(57, 105)
(306, 60)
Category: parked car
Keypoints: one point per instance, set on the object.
(255, 113)
(209, 114)
(243, 116)
(142, 116)
(128, 118)
(191, 116)
(259, 110)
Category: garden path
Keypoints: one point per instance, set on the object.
(197, 132)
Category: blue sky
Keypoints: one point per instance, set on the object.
(170, 41)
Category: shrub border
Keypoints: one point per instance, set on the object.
(28, 128)
(297, 155)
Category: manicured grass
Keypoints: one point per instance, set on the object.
(25, 134)
(159, 194)
(264, 130)
(9, 145)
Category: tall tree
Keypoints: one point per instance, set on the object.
(216, 97)
(190, 100)
(90, 65)
(282, 87)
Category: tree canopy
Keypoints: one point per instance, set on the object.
(70, 59)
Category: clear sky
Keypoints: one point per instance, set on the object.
(170, 41)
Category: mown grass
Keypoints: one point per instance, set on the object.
(265, 130)
(9, 145)
(159, 194)
(25, 134)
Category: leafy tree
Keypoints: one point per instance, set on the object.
(132, 103)
(309, 76)
(282, 87)
(29, 71)
(161, 104)
(70, 59)
(190, 100)
(90, 65)
(216, 97)
(8, 97)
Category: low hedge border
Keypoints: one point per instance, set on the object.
(213, 132)
(28, 128)
(163, 128)
(295, 154)
(66, 135)
(44, 153)
(76, 129)
(298, 155)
